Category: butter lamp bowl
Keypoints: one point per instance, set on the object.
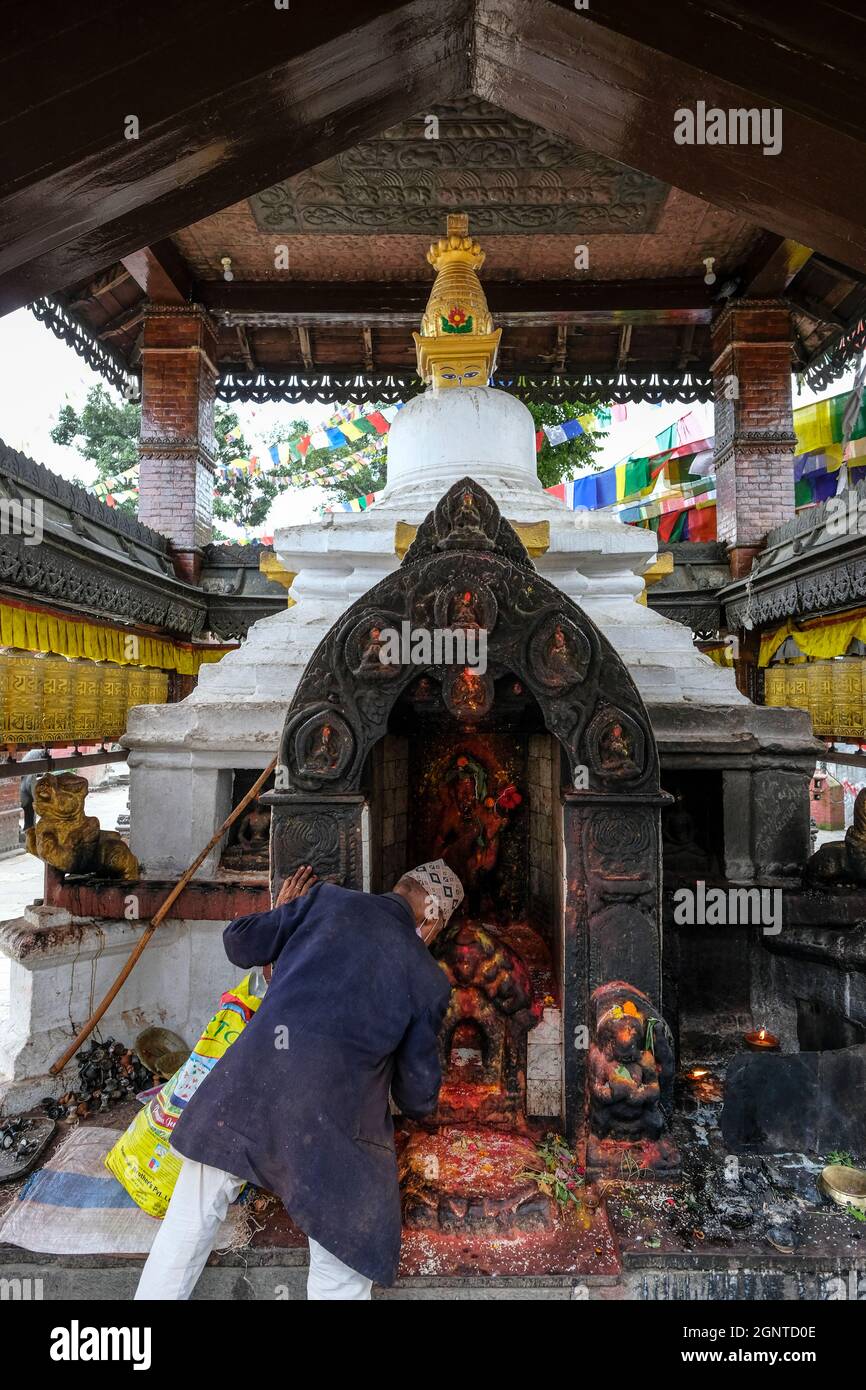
(161, 1050)
(845, 1186)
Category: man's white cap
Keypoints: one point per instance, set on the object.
(443, 887)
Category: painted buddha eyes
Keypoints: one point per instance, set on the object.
(448, 374)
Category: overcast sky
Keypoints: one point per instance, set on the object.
(39, 373)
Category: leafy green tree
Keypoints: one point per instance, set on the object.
(105, 432)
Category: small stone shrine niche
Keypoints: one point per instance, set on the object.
(503, 734)
(247, 848)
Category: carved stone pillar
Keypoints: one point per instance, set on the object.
(327, 832)
(177, 429)
(753, 424)
(612, 915)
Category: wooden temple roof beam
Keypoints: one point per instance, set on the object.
(245, 349)
(273, 92)
(269, 93)
(771, 265)
(122, 323)
(161, 272)
(613, 76)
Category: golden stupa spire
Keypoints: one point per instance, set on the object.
(457, 344)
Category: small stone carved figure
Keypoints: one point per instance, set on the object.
(466, 519)
(630, 1082)
(371, 658)
(615, 751)
(325, 750)
(559, 663)
(682, 852)
(624, 1079)
(462, 611)
(842, 861)
(251, 849)
(71, 841)
(469, 695)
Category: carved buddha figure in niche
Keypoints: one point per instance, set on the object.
(324, 749)
(371, 654)
(624, 1085)
(251, 849)
(467, 516)
(462, 612)
(682, 852)
(559, 658)
(615, 750)
(469, 694)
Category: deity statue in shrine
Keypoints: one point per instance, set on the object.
(462, 613)
(683, 853)
(471, 819)
(629, 1082)
(624, 1079)
(251, 849)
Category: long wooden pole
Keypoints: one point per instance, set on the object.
(159, 916)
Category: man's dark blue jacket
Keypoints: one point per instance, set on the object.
(299, 1104)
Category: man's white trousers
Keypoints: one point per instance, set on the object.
(198, 1207)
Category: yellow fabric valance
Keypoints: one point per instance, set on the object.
(39, 630)
(821, 639)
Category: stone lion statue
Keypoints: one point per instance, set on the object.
(842, 861)
(71, 841)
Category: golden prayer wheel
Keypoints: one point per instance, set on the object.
(847, 697)
(774, 685)
(57, 696)
(86, 697)
(4, 691)
(819, 683)
(23, 697)
(138, 688)
(157, 687)
(796, 690)
(112, 708)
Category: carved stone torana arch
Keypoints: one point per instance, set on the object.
(466, 554)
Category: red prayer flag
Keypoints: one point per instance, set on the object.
(667, 524)
(702, 524)
(378, 420)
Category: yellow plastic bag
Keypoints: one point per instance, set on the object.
(142, 1159)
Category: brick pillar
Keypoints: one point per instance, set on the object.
(751, 344)
(177, 430)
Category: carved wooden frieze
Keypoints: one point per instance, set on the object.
(509, 175)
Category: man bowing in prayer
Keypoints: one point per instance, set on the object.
(299, 1104)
